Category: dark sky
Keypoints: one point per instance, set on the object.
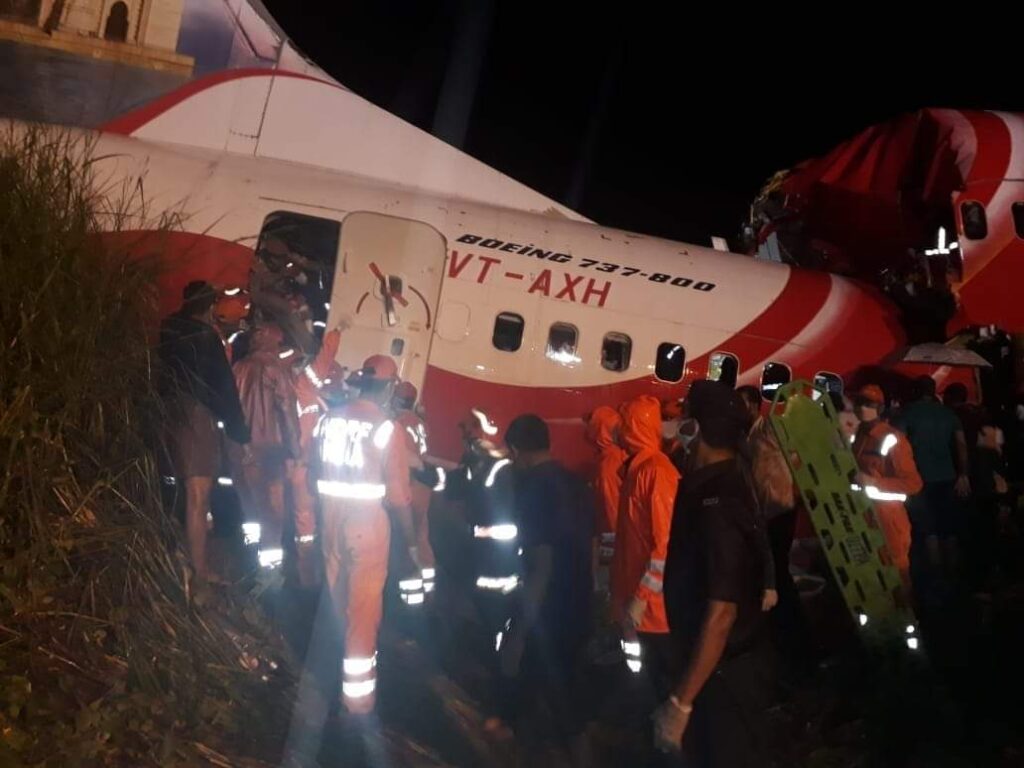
(666, 125)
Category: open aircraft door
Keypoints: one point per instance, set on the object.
(387, 287)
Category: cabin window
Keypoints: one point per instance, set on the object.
(562, 340)
(670, 362)
(829, 382)
(975, 222)
(773, 376)
(508, 332)
(615, 351)
(397, 347)
(723, 367)
(1018, 219)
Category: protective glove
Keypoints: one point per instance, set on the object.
(670, 721)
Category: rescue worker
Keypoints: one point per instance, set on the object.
(641, 541)
(310, 383)
(363, 479)
(603, 428)
(200, 390)
(887, 474)
(414, 434)
(267, 395)
(483, 484)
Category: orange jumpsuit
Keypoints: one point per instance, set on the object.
(363, 467)
(645, 516)
(602, 432)
(884, 454)
(414, 434)
(308, 384)
(267, 394)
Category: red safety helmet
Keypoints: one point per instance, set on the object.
(379, 368)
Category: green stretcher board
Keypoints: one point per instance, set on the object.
(824, 468)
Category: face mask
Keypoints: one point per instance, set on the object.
(688, 432)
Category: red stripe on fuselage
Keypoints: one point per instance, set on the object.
(130, 122)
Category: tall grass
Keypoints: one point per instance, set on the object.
(108, 656)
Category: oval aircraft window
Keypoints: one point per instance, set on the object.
(1017, 209)
(773, 376)
(975, 222)
(562, 343)
(670, 363)
(508, 332)
(615, 351)
(829, 382)
(723, 367)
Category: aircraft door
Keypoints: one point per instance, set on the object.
(387, 286)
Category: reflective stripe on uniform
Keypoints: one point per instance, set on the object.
(877, 495)
(382, 436)
(359, 491)
(498, 466)
(315, 380)
(502, 532)
(359, 665)
(442, 480)
(503, 584)
(651, 582)
(631, 649)
(308, 409)
(358, 690)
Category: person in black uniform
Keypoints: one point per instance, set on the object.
(714, 580)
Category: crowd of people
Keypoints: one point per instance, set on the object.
(672, 558)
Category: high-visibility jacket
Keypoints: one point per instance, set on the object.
(645, 515)
(884, 454)
(360, 456)
(362, 468)
(602, 432)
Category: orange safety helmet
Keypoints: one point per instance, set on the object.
(232, 306)
(872, 393)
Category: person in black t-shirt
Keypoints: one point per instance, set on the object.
(714, 580)
(538, 655)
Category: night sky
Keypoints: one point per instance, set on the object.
(658, 124)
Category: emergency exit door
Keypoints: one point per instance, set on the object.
(387, 287)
